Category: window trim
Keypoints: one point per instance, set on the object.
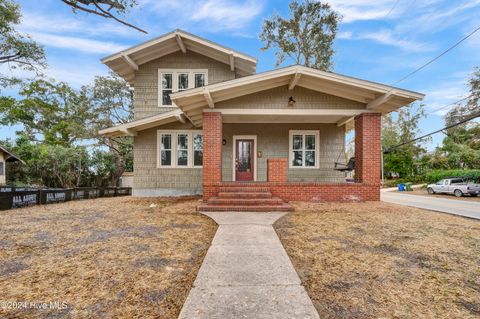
(175, 72)
(174, 134)
(290, 148)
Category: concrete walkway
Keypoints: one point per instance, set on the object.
(247, 273)
(436, 203)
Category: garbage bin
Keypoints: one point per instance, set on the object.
(401, 187)
(408, 187)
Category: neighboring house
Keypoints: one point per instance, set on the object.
(207, 123)
(6, 156)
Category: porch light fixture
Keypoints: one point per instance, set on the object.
(291, 101)
(224, 142)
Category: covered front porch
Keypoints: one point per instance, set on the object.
(259, 158)
(279, 134)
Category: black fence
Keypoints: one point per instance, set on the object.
(15, 197)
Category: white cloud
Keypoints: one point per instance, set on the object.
(445, 93)
(76, 43)
(35, 22)
(210, 15)
(227, 14)
(344, 35)
(357, 10)
(388, 37)
(438, 15)
(77, 75)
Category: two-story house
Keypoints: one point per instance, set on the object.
(207, 123)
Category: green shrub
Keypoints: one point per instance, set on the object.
(419, 179)
(469, 174)
(395, 182)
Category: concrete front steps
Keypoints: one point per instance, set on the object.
(245, 199)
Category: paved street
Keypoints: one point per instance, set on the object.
(436, 203)
(247, 273)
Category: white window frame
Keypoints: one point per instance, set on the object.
(174, 134)
(175, 72)
(290, 148)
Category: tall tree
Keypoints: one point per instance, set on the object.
(50, 112)
(461, 145)
(110, 9)
(17, 50)
(111, 103)
(404, 161)
(306, 36)
(60, 142)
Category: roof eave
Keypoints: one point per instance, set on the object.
(303, 70)
(131, 128)
(172, 34)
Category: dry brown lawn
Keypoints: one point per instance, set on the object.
(103, 258)
(423, 192)
(378, 260)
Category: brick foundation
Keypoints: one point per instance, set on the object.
(309, 192)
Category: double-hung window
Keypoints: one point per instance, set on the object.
(197, 149)
(172, 81)
(303, 149)
(180, 149)
(165, 149)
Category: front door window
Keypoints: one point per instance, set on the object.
(244, 160)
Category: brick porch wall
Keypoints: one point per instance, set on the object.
(212, 151)
(367, 152)
(277, 170)
(367, 148)
(309, 192)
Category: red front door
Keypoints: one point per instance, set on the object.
(244, 160)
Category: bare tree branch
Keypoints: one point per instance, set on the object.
(101, 11)
(95, 2)
(76, 6)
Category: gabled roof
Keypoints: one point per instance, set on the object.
(376, 97)
(130, 129)
(9, 156)
(126, 62)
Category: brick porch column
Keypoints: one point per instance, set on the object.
(367, 148)
(212, 148)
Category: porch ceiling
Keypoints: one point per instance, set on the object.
(126, 62)
(376, 97)
(286, 116)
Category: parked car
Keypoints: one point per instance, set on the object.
(456, 186)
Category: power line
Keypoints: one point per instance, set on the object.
(388, 150)
(453, 103)
(393, 8)
(437, 57)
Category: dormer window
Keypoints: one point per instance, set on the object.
(172, 81)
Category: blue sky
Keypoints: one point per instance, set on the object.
(378, 40)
